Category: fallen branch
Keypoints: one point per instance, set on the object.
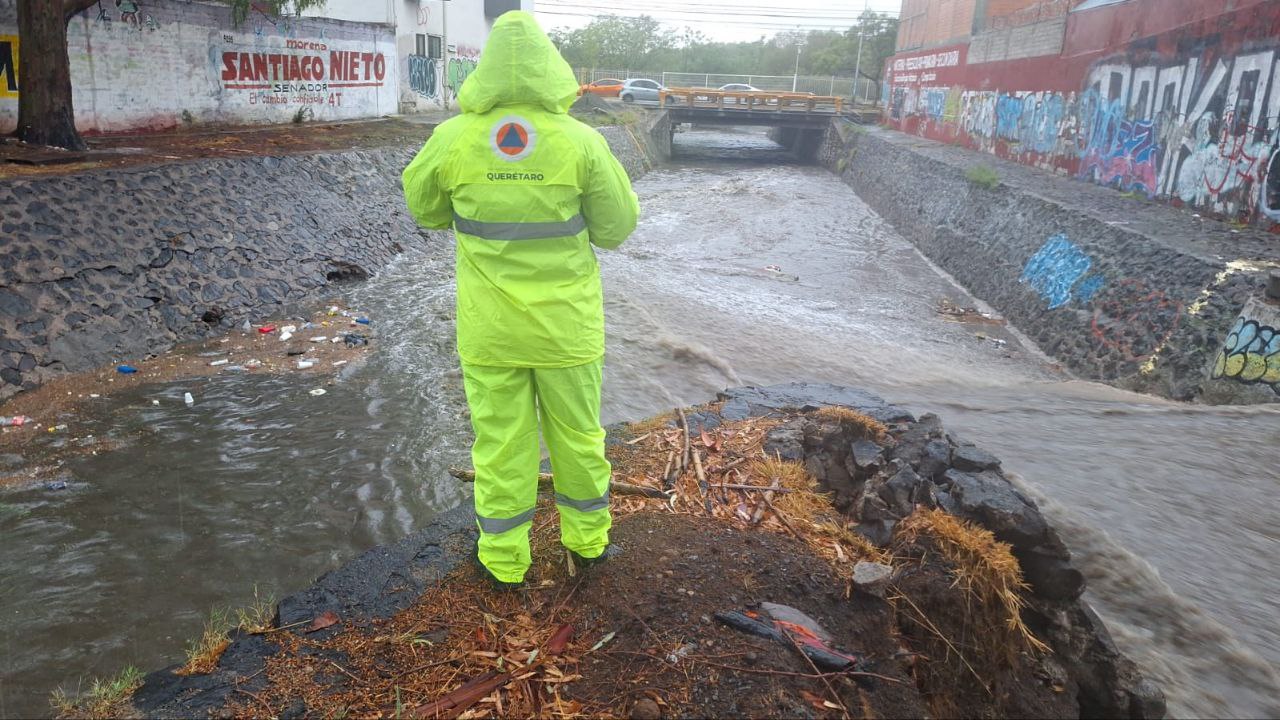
(768, 500)
(758, 488)
(702, 481)
(784, 673)
(758, 515)
(617, 488)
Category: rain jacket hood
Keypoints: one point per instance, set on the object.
(519, 66)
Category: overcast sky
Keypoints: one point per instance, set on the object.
(727, 20)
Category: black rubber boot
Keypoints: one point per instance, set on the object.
(611, 551)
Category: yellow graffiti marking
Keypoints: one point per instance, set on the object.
(8, 66)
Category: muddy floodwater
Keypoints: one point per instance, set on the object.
(747, 269)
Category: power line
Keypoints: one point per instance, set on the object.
(774, 25)
(759, 10)
(720, 14)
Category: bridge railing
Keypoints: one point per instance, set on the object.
(824, 85)
(749, 101)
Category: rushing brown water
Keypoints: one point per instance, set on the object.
(742, 272)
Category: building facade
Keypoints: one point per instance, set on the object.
(1174, 99)
(139, 65)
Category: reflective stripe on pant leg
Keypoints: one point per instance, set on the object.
(505, 456)
(569, 407)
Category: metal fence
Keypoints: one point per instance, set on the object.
(867, 90)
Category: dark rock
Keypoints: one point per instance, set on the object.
(14, 305)
(990, 500)
(644, 709)
(1146, 701)
(705, 421)
(971, 459)
(26, 364)
(878, 532)
(786, 441)
(866, 455)
(213, 315)
(11, 376)
(935, 459)
(1048, 571)
(899, 490)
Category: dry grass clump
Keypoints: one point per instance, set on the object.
(866, 426)
(259, 616)
(988, 574)
(204, 652)
(105, 699)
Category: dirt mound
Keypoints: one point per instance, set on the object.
(721, 514)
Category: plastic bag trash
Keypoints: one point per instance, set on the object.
(319, 339)
(354, 339)
(267, 329)
(289, 329)
(306, 364)
(155, 402)
(334, 310)
(285, 335)
(318, 392)
(217, 363)
(336, 339)
(15, 421)
(186, 398)
(246, 327)
(126, 369)
(57, 485)
(253, 364)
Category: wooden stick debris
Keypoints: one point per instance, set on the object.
(768, 500)
(758, 515)
(702, 481)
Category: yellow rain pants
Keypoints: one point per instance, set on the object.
(530, 192)
(507, 405)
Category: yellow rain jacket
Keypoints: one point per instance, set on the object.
(528, 190)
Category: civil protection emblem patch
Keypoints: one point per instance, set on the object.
(513, 138)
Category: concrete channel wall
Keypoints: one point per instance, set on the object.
(1119, 288)
(110, 266)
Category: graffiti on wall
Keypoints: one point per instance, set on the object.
(1251, 354)
(1058, 273)
(424, 76)
(311, 75)
(1134, 320)
(8, 66)
(1200, 129)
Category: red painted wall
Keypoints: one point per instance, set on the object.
(1178, 99)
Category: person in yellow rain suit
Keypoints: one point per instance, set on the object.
(528, 190)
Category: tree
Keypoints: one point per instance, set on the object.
(46, 115)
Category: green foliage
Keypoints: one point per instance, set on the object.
(643, 44)
(240, 9)
(983, 176)
(104, 699)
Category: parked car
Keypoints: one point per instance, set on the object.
(738, 87)
(608, 87)
(640, 89)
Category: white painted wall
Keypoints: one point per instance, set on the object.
(180, 61)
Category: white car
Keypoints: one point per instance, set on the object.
(640, 89)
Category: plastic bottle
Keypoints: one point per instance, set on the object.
(126, 369)
(15, 421)
(186, 398)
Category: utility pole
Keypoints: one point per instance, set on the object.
(444, 51)
(796, 78)
(857, 67)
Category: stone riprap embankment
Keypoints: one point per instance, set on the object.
(916, 465)
(1120, 289)
(105, 266)
(641, 145)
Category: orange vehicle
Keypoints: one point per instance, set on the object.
(607, 87)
